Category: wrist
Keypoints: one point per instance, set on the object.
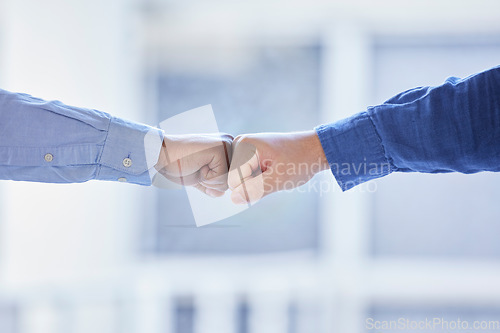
(313, 152)
(163, 159)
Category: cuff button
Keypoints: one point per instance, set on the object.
(122, 180)
(127, 162)
(48, 157)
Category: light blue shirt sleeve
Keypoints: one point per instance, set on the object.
(48, 141)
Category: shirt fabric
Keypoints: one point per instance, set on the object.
(48, 141)
(454, 127)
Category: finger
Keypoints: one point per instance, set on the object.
(220, 188)
(227, 143)
(244, 163)
(214, 175)
(252, 189)
(217, 166)
(208, 191)
(217, 186)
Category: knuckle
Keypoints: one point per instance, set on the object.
(242, 138)
(228, 145)
(227, 136)
(237, 139)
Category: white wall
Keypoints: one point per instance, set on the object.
(75, 51)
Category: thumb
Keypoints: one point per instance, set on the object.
(252, 189)
(244, 163)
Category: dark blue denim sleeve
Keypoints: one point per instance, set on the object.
(454, 127)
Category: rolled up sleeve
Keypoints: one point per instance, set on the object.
(454, 127)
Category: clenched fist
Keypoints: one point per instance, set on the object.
(199, 160)
(269, 162)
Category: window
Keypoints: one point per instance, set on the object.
(255, 89)
(450, 215)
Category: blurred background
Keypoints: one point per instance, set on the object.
(109, 257)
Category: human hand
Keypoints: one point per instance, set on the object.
(269, 162)
(199, 160)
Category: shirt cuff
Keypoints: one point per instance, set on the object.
(130, 151)
(354, 150)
